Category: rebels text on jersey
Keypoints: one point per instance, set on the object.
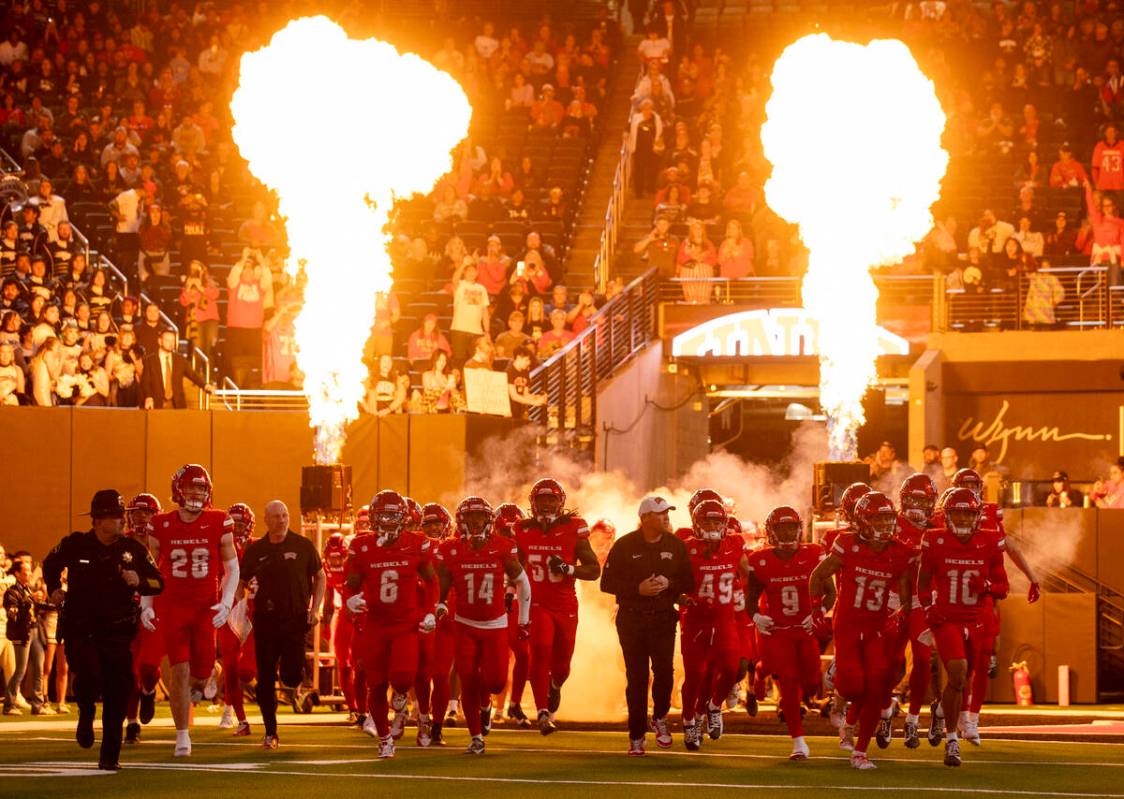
(716, 580)
(785, 583)
(190, 555)
(550, 590)
(478, 578)
(388, 576)
(865, 580)
(956, 566)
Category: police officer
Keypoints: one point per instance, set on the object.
(105, 572)
(649, 571)
(287, 579)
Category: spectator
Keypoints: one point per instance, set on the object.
(671, 207)
(1062, 240)
(427, 340)
(547, 113)
(741, 200)
(513, 338)
(645, 142)
(250, 286)
(1062, 495)
(117, 149)
(1108, 161)
(560, 300)
(90, 383)
(1032, 242)
(886, 471)
(1067, 171)
(441, 392)
(990, 235)
(163, 373)
(659, 248)
(154, 238)
(522, 94)
(580, 315)
(123, 366)
(149, 331)
(735, 254)
(482, 355)
(388, 311)
(1109, 494)
(126, 209)
(1044, 292)
(535, 244)
(470, 311)
(519, 384)
(279, 362)
(980, 460)
(1107, 227)
(450, 208)
(950, 465)
(532, 274)
(931, 458)
(258, 232)
(386, 391)
(695, 263)
(654, 46)
(493, 266)
(19, 609)
(557, 337)
(514, 299)
(52, 209)
(12, 388)
(200, 300)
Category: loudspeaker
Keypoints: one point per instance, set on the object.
(831, 478)
(325, 488)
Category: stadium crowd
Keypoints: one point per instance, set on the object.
(119, 119)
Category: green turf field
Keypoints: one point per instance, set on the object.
(326, 760)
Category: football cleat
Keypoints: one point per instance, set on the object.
(475, 746)
(451, 718)
(516, 714)
(636, 748)
(554, 698)
(847, 737)
(132, 732)
(751, 703)
(663, 734)
(243, 729)
(733, 698)
(713, 722)
(424, 738)
(691, 738)
(860, 761)
(952, 753)
(398, 723)
(183, 748)
(360, 720)
(352, 717)
(436, 737)
(935, 726)
(800, 751)
(211, 686)
(912, 741)
(546, 723)
(386, 748)
(227, 720)
(884, 733)
(485, 720)
(970, 731)
(369, 727)
(270, 743)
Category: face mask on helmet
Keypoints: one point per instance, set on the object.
(139, 519)
(917, 509)
(194, 498)
(880, 527)
(962, 521)
(477, 524)
(975, 486)
(387, 526)
(547, 507)
(785, 535)
(434, 530)
(241, 531)
(711, 528)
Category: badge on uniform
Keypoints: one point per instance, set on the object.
(127, 557)
(665, 556)
(290, 556)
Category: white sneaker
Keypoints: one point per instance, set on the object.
(227, 720)
(386, 748)
(398, 723)
(211, 687)
(369, 726)
(22, 703)
(732, 699)
(859, 760)
(62, 708)
(183, 746)
(800, 750)
(663, 734)
(847, 737)
(970, 731)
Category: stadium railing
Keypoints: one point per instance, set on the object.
(1089, 303)
(614, 213)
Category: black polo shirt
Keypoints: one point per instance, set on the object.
(633, 560)
(285, 573)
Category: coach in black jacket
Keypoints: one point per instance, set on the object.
(648, 570)
(161, 382)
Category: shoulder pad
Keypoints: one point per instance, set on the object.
(580, 526)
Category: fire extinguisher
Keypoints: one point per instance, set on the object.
(1020, 681)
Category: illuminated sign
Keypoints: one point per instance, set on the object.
(773, 332)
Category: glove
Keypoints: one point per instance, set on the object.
(934, 617)
(357, 603)
(524, 632)
(427, 624)
(1034, 593)
(821, 627)
(979, 585)
(509, 602)
(764, 623)
(222, 613)
(440, 611)
(897, 623)
(252, 588)
(808, 624)
(148, 619)
(559, 566)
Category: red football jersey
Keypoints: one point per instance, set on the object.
(954, 563)
(190, 555)
(716, 579)
(549, 590)
(389, 576)
(866, 579)
(829, 537)
(478, 577)
(785, 596)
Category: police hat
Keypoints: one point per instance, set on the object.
(107, 502)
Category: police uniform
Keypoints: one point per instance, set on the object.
(99, 620)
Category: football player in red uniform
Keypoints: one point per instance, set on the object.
(236, 637)
(474, 565)
(148, 646)
(786, 619)
(437, 525)
(554, 548)
(747, 630)
(869, 562)
(503, 522)
(342, 631)
(960, 567)
(845, 514)
(710, 635)
(387, 570)
(189, 544)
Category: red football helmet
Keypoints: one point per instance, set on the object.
(413, 514)
(388, 515)
(733, 526)
(875, 517)
(363, 520)
(850, 497)
(917, 498)
(701, 495)
(474, 518)
(970, 479)
(505, 517)
(961, 512)
(335, 549)
(604, 528)
(243, 516)
(191, 488)
(436, 522)
(783, 527)
(548, 491)
(140, 509)
(708, 520)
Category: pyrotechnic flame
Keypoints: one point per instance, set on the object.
(854, 136)
(339, 127)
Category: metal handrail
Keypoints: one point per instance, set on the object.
(614, 213)
(236, 399)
